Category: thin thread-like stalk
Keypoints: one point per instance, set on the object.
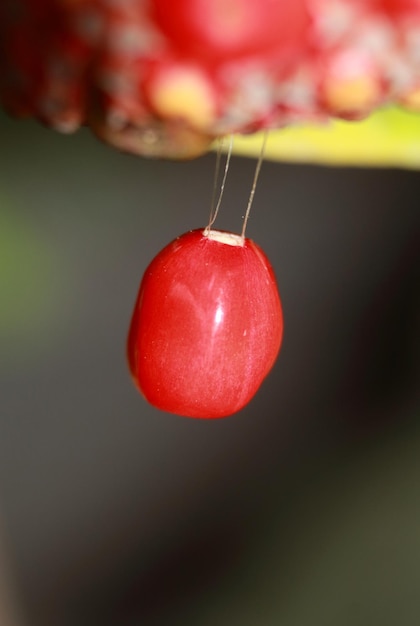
(214, 212)
(220, 144)
(254, 184)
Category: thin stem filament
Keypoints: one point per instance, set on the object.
(215, 210)
(254, 184)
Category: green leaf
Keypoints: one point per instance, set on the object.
(388, 138)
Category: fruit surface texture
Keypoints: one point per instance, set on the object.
(165, 78)
(207, 325)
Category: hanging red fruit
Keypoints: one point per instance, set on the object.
(207, 325)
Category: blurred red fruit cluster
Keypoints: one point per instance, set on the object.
(165, 77)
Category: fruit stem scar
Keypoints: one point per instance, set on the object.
(220, 236)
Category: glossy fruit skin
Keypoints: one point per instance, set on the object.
(207, 326)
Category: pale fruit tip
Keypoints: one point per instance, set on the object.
(221, 236)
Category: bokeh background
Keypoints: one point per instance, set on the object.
(302, 510)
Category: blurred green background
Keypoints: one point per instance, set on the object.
(302, 510)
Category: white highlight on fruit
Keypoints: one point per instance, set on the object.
(218, 318)
(220, 236)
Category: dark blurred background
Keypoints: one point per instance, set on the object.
(303, 509)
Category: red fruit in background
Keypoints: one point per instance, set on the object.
(207, 325)
(220, 30)
(166, 77)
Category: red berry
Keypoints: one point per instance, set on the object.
(207, 325)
